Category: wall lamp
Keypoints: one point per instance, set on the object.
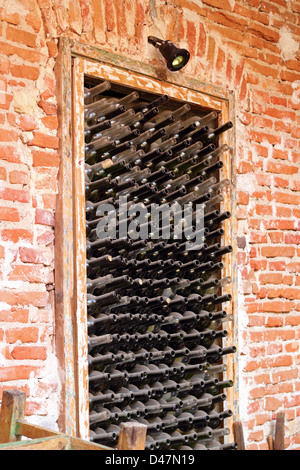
(175, 57)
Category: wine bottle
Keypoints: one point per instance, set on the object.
(213, 134)
(215, 418)
(91, 93)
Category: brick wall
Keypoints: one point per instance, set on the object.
(250, 47)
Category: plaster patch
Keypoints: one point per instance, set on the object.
(287, 44)
(294, 426)
(25, 101)
(46, 389)
(296, 93)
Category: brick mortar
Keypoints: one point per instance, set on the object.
(237, 56)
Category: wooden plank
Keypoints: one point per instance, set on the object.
(229, 260)
(279, 432)
(32, 431)
(12, 408)
(80, 444)
(132, 436)
(271, 442)
(100, 56)
(79, 232)
(151, 85)
(239, 435)
(64, 246)
(50, 443)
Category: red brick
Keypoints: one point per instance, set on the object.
(227, 19)
(12, 18)
(277, 251)
(281, 182)
(285, 198)
(276, 237)
(9, 214)
(279, 101)
(13, 297)
(18, 195)
(222, 4)
(27, 123)
(23, 37)
(2, 173)
(33, 255)
(245, 167)
(8, 154)
(45, 159)
(258, 265)
(44, 217)
(274, 322)
(281, 168)
(24, 335)
(29, 55)
(277, 306)
(44, 141)
(49, 201)
(292, 238)
(263, 209)
(29, 352)
(191, 36)
(270, 278)
(25, 71)
(33, 20)
(261, 69)
(52, 48)
(46, 238)
(264, 137)
(281, 154)
(18, 177)
(243, 197)
(16, 235)
(201, 41)
(258, 238)
(14, 316)
(34, 274)
(49, 108)
(10, 373)
(8, 135)
(51, 122)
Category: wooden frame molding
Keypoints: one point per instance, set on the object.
(76, 61)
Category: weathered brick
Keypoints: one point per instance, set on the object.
(23, 335)
(44, 141)
(24, 37)
(34, 256)
(22, 353)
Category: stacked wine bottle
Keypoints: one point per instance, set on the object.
(156, 315)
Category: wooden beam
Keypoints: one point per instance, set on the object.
(132, 436)
(79, 234)
(64, 247)
(32, 431)
(279, 432)
(271, 442)
(239, 435)
(12, 409)
(80, 444)
(49, 443)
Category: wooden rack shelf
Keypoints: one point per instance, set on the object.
(13, 428)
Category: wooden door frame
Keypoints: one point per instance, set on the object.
(76, 60)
